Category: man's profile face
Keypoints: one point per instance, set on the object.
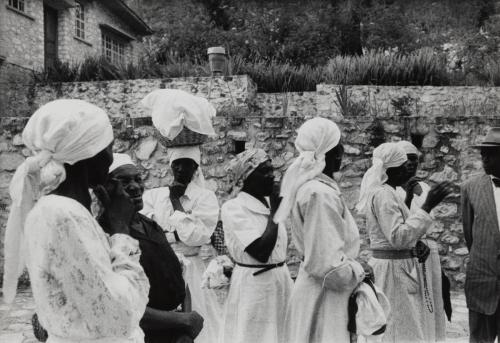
(491, 160)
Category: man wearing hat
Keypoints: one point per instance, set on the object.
(481, 218)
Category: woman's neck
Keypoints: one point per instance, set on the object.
(392, 183)
(76, 187)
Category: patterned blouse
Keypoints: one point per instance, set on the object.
(88, 287)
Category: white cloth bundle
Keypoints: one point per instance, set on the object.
(173, 109)
(373, 309)
(62, 131)
(214, 277)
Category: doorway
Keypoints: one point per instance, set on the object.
(50, 36)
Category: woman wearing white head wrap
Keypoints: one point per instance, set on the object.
(324, 233)
(414, 193)
(186, 210)
(85, 287)
(260, 283)
(394, 234)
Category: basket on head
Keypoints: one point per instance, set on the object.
(185, 138)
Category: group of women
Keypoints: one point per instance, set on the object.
(87, 278)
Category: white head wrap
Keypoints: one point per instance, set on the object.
(192, 152)
(244, 164)
(62, 131)
(408, 147)
(120, 160)
(314, 139)
(386, 155)
(172, 109)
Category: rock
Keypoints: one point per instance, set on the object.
(4, 147)
(422, 174)
(449, 239)
(10, 161)
(445, 210)
(278, 162)
(262, 136)
(459, 144)
(26, 152)
(350, 150)
(146, 148)
(237, 135)
(450, 159)
(392, 128)
(288, 156)
(447, 174)
(461, 251)
(430, 141)
(17, 140)
(450, 264)
(436, 230)
(444, 149)
(456, 228)
(459, 278)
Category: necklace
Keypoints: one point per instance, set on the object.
(427, 296)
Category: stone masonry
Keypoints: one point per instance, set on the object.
(269, 121)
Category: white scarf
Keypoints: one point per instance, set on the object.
(386, 155)
(314, 139)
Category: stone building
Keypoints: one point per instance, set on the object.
(35, 33)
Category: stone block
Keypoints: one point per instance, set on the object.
(447, 174)
(445, 210)
(146, 149)
(350, 150)
(448, 238)
(461, 251)
(10, 161)
(237, 135)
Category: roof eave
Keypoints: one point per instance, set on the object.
(127, 14)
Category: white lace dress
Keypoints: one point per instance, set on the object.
(87, 287)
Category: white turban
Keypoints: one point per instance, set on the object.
(408, 147)
(192, 152)
(386, 155)
(62, 131)
(314, 139)
(172, 109)
(120, 160)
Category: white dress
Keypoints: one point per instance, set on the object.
(433, 266)
(326, 235)
(256, 305)
(194, 228)
(87, 288)
(391, 226)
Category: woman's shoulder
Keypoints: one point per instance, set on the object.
(59, 205)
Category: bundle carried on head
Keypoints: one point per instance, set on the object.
(179, 118)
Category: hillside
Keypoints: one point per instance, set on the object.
(309, 32)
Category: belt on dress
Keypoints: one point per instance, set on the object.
(393, 254)
(263, 267)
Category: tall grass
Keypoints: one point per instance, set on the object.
(421, 68)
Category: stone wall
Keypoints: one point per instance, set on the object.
(121, 98)
(406, 101)
(269, 121)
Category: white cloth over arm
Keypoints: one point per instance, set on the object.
(196, 225)
(401, 230)
(325, 216)
(85, 287)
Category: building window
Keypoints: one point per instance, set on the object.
(80, 21)
(113, 48)
(17, 4)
